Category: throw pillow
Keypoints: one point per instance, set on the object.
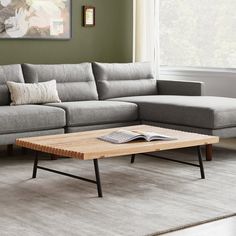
(37, 93)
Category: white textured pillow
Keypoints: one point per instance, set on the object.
(37, 93)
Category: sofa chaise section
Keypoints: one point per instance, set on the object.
(202, 114)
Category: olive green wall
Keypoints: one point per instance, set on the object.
(109, 41)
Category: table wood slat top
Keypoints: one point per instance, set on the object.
(87, 146)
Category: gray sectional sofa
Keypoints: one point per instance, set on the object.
(102, 95)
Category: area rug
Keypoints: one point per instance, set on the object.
(148, 197)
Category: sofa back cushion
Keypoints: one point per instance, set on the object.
(9, 73)
(124, 79)
(75, 82)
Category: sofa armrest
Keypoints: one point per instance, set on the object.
(180, 87)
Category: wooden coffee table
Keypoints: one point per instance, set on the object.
(86, 146)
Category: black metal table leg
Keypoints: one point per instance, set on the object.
(98, 181)
(201, 162)
(200, 165)
(35, 166)
(96, 168)
(132, 159)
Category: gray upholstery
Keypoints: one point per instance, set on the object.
(129, 94)
(120, 80)
(187, 88)
(14, 119)
(223, 133)
(103, 126)
(74, 82)
(200, 111)
(98, 112)
(6, 139)
(9, 73)
(180, 127)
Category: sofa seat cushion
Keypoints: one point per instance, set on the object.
(15, 119)
(195, 111)
(97, 112)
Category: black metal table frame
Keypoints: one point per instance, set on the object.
(96, 168)
(97, 174)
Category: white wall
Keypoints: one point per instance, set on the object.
(217, 83)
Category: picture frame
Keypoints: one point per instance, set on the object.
(89, 16)
(41, 20)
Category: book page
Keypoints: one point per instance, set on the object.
(121, 136)
(151, 135)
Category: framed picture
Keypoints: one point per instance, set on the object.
(35, 19)
(88, 16)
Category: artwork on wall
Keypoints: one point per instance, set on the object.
(35, 19)
(88, 16)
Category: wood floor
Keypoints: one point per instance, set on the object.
(226, 227)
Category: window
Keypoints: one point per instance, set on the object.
(198, 33)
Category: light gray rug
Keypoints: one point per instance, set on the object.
(145, 198)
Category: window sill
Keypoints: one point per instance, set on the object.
(197, 72)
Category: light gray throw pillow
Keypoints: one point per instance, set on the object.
(37, 93)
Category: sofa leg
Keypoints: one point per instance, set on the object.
(9, 149)
(209, 152)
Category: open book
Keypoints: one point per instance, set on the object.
(125, 136)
